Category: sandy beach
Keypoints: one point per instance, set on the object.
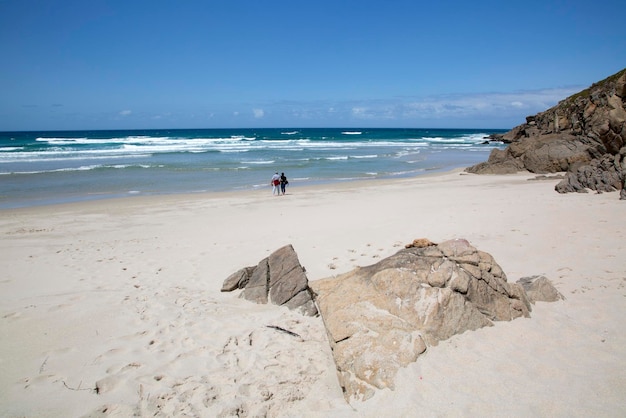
(125, 294)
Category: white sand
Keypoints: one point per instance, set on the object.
(126, 293)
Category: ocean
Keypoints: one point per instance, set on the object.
(47, 167)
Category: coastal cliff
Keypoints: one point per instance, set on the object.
(583, 135)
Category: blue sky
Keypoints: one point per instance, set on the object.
(232, 63)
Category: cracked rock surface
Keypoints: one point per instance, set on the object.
(382, 317)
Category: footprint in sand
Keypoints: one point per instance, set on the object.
(12, 315)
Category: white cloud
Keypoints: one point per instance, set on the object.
(492, 106)
(359, 111)
(125, 112)
(499, 109)
(382, 111)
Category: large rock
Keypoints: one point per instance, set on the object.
(279, 279)
(382, 317)
(581, 131)
(540, 289)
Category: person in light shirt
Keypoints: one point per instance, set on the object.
(275, 183)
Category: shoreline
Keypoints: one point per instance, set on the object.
(94, 166)
(98, 197)
(175, 196)
(126, 292)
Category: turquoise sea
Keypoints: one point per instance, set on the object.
(38, 168)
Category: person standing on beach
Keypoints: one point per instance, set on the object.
(275, 183)
(283, 182)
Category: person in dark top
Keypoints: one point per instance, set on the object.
(283, 182)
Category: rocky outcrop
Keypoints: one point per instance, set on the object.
(279, 279)
(581, 131)
(382, 317)
(605, 174)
